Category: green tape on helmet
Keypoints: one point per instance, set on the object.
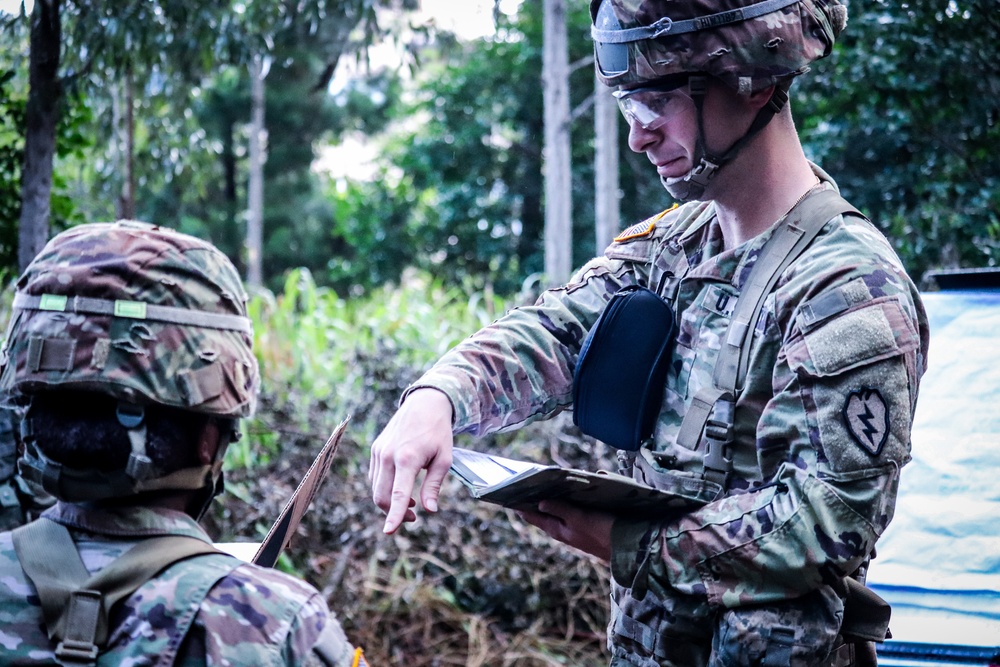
(134, 311)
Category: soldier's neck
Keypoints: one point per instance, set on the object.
(760, 186)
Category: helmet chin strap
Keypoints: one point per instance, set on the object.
(692, 185)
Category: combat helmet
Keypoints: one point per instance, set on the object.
(747, 44)
(144, 314)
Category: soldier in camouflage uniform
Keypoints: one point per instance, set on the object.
(130, 351)
(796, 467)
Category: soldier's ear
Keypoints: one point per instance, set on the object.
(208, 442)
(758, 99)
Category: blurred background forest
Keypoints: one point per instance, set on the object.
(398, 168)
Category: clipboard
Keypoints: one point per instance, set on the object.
(282, 530)
(522, 485)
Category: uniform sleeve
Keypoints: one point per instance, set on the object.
(520, 368)
(836, 432)
(256, 616)
(316, 638)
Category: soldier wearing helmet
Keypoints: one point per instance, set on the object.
(129, 351)
(781, 398)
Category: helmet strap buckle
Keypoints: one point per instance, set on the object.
(133, 417)
(130, 415)
(697, 85)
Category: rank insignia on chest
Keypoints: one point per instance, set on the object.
(867, 417)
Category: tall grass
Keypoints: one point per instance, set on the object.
(322, 353)
(472, 585)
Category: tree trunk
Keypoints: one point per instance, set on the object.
(607, 217)
(558, 185)
(255, 187)
(41, 116)
(232, 233)
(126, 202)
(123, 112)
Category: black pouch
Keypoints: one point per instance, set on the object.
(620, 373)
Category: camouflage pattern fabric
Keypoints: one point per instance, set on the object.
(761, 51)
(822, 429)
(175, 331)
(18, 503)
(250, 616)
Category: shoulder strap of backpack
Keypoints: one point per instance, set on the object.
(75, 605)
(712, 409)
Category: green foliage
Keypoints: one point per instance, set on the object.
(11, 158)
(474, 582)
(906, 117)
(319, 351)
(459, 190)
(373, 232)
(187, 66)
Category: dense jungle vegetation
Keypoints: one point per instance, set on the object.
(376, 262)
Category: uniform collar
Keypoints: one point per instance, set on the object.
(134, 521)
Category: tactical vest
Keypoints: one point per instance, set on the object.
(76, 605)
(638, 617)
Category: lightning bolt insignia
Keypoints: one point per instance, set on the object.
(866, 416)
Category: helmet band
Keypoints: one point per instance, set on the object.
(136, 310)
(666, 27)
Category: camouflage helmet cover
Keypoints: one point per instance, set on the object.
(142, 313)
(749, 44)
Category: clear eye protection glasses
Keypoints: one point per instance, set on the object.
(651, 107)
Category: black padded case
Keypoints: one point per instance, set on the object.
(620, 374)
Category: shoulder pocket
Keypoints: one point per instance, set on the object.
(858, 336)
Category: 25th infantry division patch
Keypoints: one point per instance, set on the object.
(867, 418)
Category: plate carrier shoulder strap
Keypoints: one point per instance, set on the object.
(75, 605)
(712, 412)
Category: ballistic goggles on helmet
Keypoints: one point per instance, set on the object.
(652, 106)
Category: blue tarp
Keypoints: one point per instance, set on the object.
(938, 563)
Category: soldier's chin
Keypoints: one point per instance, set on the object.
(681, 189)
(671, 181)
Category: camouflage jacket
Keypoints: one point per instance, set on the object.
(822, 425)
(11, 514)
(250, 616)
(19, 503)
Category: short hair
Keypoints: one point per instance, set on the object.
(80, 429)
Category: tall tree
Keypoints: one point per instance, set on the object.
(607, 217)
(170, 46)
(255, 187)
(110, 37)
(906, 116)
(458, 184)
(558, 180)
(41, 117)
(124, 122)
